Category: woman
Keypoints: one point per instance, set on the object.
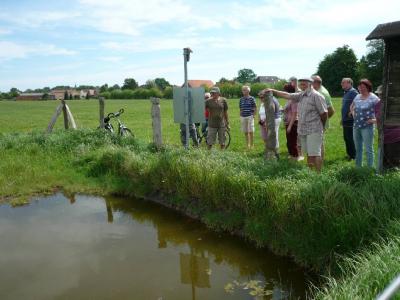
(247, 106)
(363, 111)
(290, 119)
(269, 119)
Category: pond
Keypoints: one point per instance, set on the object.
(87, 247)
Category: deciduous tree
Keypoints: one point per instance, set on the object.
(341, 63)
(371, 65)
(161, 83)
(130, 83)
(246, 76)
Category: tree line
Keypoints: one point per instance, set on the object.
(332, 68)
(344, 63)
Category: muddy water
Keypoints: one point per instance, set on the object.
(88, 247)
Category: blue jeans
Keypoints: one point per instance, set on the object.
(364, 136)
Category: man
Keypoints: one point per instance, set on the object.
(313, 113)
(347, 119)
(218, 121)
(247, 106)
(317, 85)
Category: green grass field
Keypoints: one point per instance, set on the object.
(27, 116)
(326, 221)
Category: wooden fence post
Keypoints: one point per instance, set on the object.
(156, 122)
(65, 114)
(101, 106)
(54, 118)
(68, 117)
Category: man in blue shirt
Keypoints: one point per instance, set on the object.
(347, 119)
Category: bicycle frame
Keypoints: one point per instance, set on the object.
(122, 129)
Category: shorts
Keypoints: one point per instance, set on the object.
(212, 135)
(247, 124)
(311, 143)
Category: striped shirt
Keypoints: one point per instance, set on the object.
(247, 106)
(311, 105)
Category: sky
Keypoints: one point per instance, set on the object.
(92, 42)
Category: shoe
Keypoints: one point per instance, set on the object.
(300, 158)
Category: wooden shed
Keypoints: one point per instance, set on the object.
(390, 116)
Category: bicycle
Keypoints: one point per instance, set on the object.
(122, 129)
(203, 136)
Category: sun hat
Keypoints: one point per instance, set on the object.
(305, 78)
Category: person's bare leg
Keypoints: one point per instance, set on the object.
(246, 134)
(314, 163)
(322, 153)
(311, 162)
(251, 139)
(318, 164)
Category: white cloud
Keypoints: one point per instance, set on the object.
(114, 59)
(4, 31)
(35, 19)
(273, 37)
(11, 50)
(130, 17)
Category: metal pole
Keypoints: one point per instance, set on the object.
(390, 290)
(186, 57)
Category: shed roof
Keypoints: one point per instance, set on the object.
(199, 83)
(384, 31)
(31, 94)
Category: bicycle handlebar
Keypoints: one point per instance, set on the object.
(117, 114)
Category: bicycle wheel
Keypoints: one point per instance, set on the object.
(126, 132)
(227, 139)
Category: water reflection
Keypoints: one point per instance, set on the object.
(128, 249)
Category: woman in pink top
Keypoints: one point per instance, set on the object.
(290, 119)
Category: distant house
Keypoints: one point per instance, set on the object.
(199, 83)
(33, 96)
(91, 92)
(59, 93)
(267, 79)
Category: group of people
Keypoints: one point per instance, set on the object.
(306, 117)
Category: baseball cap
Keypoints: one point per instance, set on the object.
(292, 78)
(215, 89)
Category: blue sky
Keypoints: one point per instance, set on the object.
(48, 43)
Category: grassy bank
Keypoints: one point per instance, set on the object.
(368, 273)
(284, 206)
(317, 219)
